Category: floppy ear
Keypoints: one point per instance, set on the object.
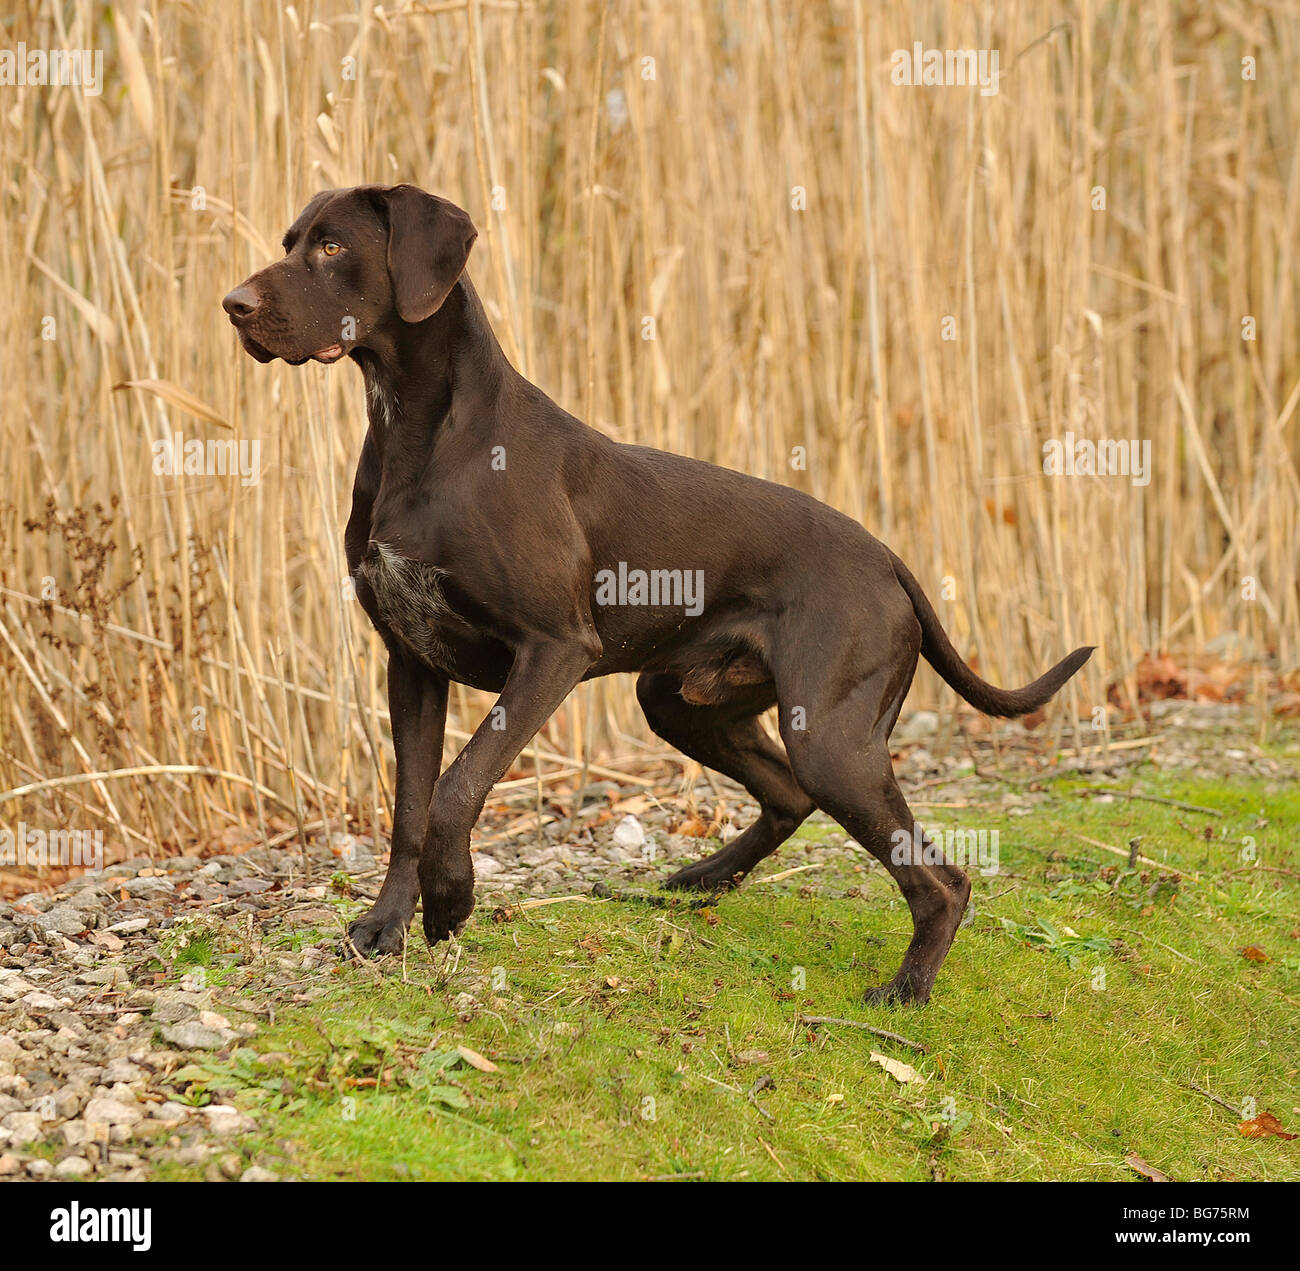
(428, 244)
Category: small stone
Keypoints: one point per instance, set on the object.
(75, 1133)
(112, 1112)
(313, 916)
(628, 833)
(122, 1069)
(231, 1165)
(250, 886)
(113, 974)
(486, 866)
(39, 1168)
(917, 725)
(61, 919)
(9, 1166)
(38, 1001)
(13, 988)
(193, 1035)
(223, 1119)
(195, 1154)
(256, 1174)
(73, 1167)
(171, 1007)
(148, 887)
(23, 1127)
(67, 1102)
(129, 926)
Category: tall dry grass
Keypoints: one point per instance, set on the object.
(179, 652)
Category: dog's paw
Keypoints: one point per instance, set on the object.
(379, 931)
(900, 991)
(709, 875)
(446, 913)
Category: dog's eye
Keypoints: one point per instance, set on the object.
(330, 249)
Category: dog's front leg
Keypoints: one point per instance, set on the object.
(540, 679)
(417, 705)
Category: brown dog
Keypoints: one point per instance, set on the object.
(497, 541)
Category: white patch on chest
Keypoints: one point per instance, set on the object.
(409, 598)
(383, 404)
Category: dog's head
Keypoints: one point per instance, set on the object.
(356, 262)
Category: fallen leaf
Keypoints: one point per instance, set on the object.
(901, 1072)
(1264, 1126)
(475, 1060)
(449, 1095)
(1136, 1163)
(1254, 954)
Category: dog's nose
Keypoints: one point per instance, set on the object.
(242, 302)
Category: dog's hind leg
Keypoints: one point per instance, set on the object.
(730, 740)
(840, 755)
(865, 799)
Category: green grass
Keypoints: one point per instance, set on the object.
(1075, 1008)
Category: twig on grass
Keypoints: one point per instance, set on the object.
(785, 873)
(885, 1034)
(1154, 798)
(1213, 1098)
(1126, 853)
(772, 1154)
(1272, 869)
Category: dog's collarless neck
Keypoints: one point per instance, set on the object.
(431, 375)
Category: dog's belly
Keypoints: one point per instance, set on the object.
(406, 599)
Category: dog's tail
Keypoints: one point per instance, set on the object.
(938, 651)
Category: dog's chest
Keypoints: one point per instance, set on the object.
(408, 599)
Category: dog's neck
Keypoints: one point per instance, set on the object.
(417, 376)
